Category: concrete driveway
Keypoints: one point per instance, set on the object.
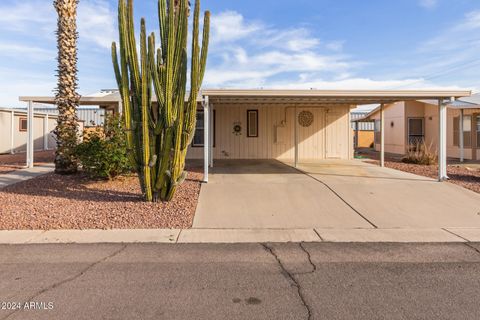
(329, 194)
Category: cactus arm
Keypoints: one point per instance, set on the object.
(170, 64)
(132, 50)
(205, 42)
(162, 18)
(145, 113)
(195, 53)
(121, 75)
(181, 38)
(178, 159)
(154, 72)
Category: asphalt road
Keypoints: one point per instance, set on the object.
(244, 281)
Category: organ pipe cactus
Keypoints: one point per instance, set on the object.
(159, 132)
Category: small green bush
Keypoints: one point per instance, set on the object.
(420, 154)
(103, 152)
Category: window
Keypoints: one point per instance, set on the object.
(23, 125)
(467, 131)
(198, 138)
(378, 132)
(416, 133)
(252, 123)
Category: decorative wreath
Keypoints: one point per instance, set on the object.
(305, 118)
(237, 128)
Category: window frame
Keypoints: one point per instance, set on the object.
(20, 128)
(193, 145)
(255, 111)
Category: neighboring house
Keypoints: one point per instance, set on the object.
(412, 122)
(13, 130)
(364, 132)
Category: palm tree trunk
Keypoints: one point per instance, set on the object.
(66, 97)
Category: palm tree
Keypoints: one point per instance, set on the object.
(66, 97)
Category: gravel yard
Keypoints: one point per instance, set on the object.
(76, 202)
(12, 162)
(468, 178)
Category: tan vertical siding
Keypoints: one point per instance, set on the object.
(311, 139)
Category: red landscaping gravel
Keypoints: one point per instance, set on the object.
(12, 162)
(76, 202)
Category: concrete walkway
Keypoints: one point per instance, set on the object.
(24, 174)
(241, 236)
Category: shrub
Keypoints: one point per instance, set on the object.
(103, 152)
(420, 154)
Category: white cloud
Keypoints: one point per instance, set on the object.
(22, 16)
(37, 18)
(96, 22)
(270, 57)
(253, 53)
(230, 26)
(429, 4)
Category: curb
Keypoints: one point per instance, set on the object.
(172, 236)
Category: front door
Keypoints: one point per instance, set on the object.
(335, 135)
(416, 132)
(310, 124)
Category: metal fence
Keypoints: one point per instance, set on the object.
(92, 117)
(362, 126)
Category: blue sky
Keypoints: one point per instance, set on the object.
(322, 44)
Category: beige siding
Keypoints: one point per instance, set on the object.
(395, 135)
(277, 133)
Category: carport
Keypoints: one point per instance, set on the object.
(289, 99)
(329, 100)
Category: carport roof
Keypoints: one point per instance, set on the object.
(345, 97)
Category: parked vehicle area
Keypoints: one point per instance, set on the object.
(338, 194)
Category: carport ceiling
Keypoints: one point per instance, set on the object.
(325, 97)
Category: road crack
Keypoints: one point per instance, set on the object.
(309, 257)
(69, 279)
(293, 280)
